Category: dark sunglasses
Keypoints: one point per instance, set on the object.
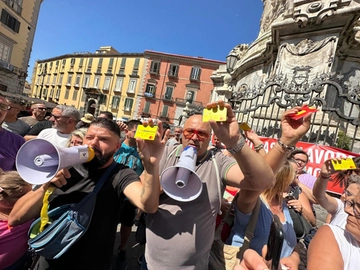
(201, 135)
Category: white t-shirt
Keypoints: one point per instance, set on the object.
(338, 218)
(53, 136)
(349, 247)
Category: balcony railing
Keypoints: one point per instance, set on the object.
(193, 104)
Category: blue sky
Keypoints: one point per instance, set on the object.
(207, 28)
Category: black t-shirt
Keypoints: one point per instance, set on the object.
(95, 249)
(39, 126)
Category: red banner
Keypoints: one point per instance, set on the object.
(318, 154)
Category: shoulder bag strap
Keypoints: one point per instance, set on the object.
(249, 233)
(218, 179)
(104, 177)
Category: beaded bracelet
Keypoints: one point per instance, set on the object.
(259, 147)
(289, 148)
(239, 145)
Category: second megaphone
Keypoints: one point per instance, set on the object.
(180, 182)
(38, 160)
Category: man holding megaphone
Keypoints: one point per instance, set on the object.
(180, 234)
(95, 248)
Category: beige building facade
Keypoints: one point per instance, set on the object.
(92, 82)
(17, 29)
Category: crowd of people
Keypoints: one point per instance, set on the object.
(236, 180)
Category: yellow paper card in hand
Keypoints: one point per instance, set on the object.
(344, 164)
(244, 126)
(216, 114)
(146, 133)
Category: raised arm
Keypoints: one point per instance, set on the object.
(145, 194)
(320, 186)
(252, 172)
(291, 132)
(258, 145)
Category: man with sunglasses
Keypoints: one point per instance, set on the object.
(9, 142)
(64, 119)
(180, 234)
(38, 112)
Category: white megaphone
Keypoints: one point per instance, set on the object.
(38, 160)
(180, 182)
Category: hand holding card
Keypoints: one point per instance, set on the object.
(343, 164)
(146, 132)
(216, 114)
(304, 111)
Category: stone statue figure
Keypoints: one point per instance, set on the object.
(273, 9)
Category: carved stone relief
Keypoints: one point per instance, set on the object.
(273, 10)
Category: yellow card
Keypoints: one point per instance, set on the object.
(215, 114)
(344, 164)
(146, 133)
(244, 126)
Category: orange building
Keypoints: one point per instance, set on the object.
(172, 82)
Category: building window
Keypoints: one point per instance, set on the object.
(4, 52)
(132, 86)
(118, 84)
(168, 92)
(81, 62)
(107, 83)
(147, 107)
(115, 102)
(72, 62)
(86, 81)
(10, 21)
(195, 74)
(96, 82)
(128, 104)
(136, 67)
(173, 70)
(77, 81)
(51, 93)
(155, 67)
(67, 92)
(75, 94)
(61, 79)
(83, 96)
(69, 80)
(150, 90)
(110, 67)
(122, 66)
(57, 93)
(48, 79)
(16, 5)
(164, 111)
(54, 80)
(190, 96)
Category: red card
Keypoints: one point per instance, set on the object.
(304, 111)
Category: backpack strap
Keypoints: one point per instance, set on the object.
(249, 233)
(104, 177)
(218, 180)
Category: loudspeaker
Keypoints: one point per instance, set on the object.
(38, 160)
(180, 182)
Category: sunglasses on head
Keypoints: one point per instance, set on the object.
(201, 135)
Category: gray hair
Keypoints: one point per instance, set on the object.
(69, 111)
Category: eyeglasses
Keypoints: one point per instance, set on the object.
(201, 135)
(300, 161)
(75, 143)
(354, 206)
(41, 109)
(4, 107)
(56, 117)
(347, 193)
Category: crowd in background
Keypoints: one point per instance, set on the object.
(238, 182)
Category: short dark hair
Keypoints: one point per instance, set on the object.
(298, 151)
(108, 124)
(133, 122)
(108, 114)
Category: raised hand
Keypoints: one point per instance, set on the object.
(253, 137)
(226, 131)
(293, 130)
(149, 151)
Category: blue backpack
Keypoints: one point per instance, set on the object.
(70, 222)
